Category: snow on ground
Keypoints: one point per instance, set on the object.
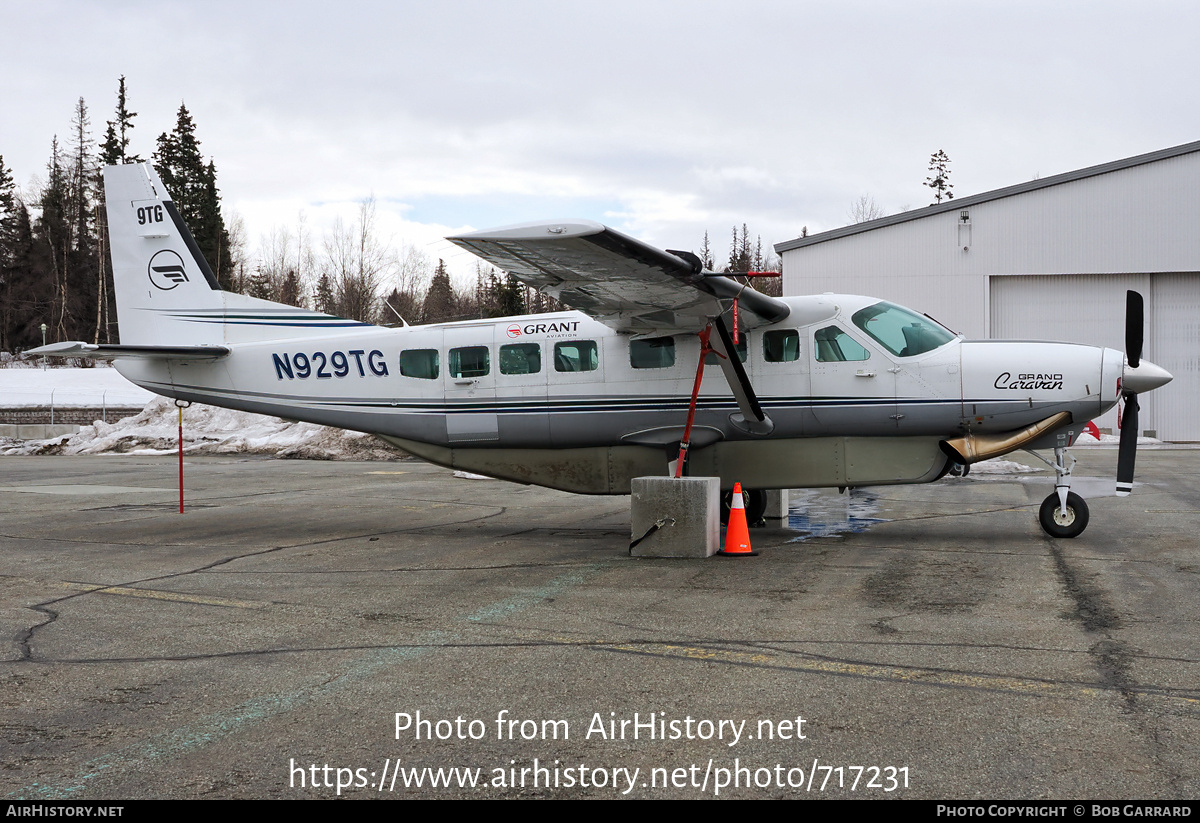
(209, 430)
(1114, 440)
(998, 466)
(98, 386)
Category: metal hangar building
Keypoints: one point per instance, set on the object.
(1045, 260)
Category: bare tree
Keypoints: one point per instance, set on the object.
(357, 265)
(409, 283)
(865, 208)
(237, 248)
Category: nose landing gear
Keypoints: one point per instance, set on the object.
(1063, 521)
(1063, 513)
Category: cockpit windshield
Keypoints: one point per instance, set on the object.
(902, 332)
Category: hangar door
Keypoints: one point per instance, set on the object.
(1090, 308)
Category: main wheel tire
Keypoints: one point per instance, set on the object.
(754, 501)
(1058, 523)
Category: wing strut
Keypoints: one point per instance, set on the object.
(752, 420)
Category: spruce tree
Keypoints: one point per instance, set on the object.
(259, 285)
(193, 187)
(291, 292)
(24, 300)
(83, 270)
(213, 238)
(323, 295)
(939, 179)
(511, 297)
(740, 256)
(114, 151)
(439, 300)
(115, 148)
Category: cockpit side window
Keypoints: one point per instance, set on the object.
(902, 332)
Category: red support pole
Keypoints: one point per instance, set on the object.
(686, 442)
(181, 459)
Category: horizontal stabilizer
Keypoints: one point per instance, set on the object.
(113, 351)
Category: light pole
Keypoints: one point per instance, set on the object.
(43, 344)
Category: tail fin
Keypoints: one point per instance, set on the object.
(166, 292)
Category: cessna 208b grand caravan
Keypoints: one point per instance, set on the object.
(822, 391)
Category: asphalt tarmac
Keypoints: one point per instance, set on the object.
(316, 629)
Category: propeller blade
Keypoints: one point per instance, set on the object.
(1134, 327)
(1128, 449)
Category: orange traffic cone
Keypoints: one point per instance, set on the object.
(737, 534)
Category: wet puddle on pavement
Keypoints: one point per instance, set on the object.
(825, 513)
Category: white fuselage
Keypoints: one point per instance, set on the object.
(521, 387)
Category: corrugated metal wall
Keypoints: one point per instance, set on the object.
(1090, 308)
(1175, 338)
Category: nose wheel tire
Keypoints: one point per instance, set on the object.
(1059, 522)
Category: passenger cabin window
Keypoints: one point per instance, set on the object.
(902, 332)
(578, 355)
(422, 363)
(521, 358)
(835, 346)
(653, 353)
(469, 361)
(741, 348)
(781, 346)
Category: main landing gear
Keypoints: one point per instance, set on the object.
(754, 501)
(1063, 513)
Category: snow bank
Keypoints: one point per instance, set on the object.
(209, 430)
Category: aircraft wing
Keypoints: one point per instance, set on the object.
(622, 282)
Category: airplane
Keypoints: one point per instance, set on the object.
(660, 360)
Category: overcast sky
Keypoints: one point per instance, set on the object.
(661, 119)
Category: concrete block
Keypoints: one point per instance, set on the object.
(777, 508)
(689, 509)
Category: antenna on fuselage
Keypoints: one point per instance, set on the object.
(403, 322)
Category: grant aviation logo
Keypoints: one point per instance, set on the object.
(166, 270)
(561, 328)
